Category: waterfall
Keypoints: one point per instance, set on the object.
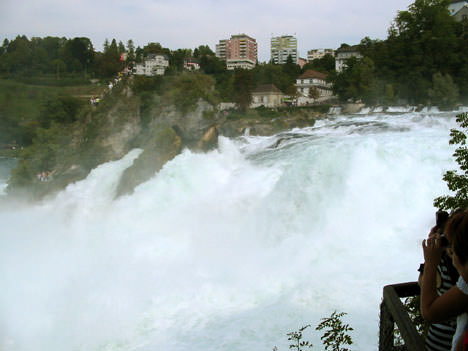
(231, 249)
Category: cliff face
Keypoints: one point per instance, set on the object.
(109, 131)
(163, 146)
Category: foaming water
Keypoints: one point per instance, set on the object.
(231, 249)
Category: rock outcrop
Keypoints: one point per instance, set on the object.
(163, 146)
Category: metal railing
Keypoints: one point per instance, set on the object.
(393, 311)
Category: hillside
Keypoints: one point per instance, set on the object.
(21, 104)
(160, 118)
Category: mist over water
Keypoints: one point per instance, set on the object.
(228, 250)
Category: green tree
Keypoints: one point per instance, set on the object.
(389, 94)
(457, 181)
(130, 50)
(78, 54)
(106, 45)
(422, 41)
(62, 110)
(108, 63)
(187, 89)
(5, 45)
(212, 65)
(59, 66)
(155, 48)
(19, 55)
(270, 73)
(177, 57)
(444, 92)
(139, 54)
(243, 86)
(224, 85)
(324, 64)
(203, 50)
(356, 80)
(291, 69)
(121, 47)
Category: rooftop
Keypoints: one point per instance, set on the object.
(313, 74)
(354, 48)
(267, 88)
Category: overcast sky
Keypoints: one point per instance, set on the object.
(188, 24)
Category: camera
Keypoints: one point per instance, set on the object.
(441, 219)
(443, 241)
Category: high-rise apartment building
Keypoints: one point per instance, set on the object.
(221, 49)
(282, 47)
(239, 52)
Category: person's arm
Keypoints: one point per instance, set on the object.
(460, 341)
(436, 308)
(438, 279)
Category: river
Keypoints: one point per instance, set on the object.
(231, 249)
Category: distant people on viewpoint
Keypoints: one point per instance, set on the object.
(437, 308)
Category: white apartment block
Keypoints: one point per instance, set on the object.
(153, 65)
(221, 49)
(282, 47)
(315, 54)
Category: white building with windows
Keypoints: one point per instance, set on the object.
(282, 47)
(191, 64)
(456, 5)
(152, 65)
(315, 54)
(312, 86)
(462, 14)
(459, 10)
(267, 95)
(343, 54)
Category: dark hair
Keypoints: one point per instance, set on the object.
(457, 228)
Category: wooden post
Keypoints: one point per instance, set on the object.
(386, 329)
(392, 311)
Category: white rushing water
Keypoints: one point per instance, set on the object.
(228, 250)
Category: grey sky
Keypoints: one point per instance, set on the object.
(188, 24)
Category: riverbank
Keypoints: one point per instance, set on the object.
(161, 120)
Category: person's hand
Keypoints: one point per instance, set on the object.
(432, 250)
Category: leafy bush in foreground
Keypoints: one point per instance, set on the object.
(335, 338)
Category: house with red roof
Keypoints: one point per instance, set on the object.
(312, 86)
(267, 95)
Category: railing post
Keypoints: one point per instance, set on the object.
(386, 329)
(392, 311)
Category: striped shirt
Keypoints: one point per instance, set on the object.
(439, 337)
